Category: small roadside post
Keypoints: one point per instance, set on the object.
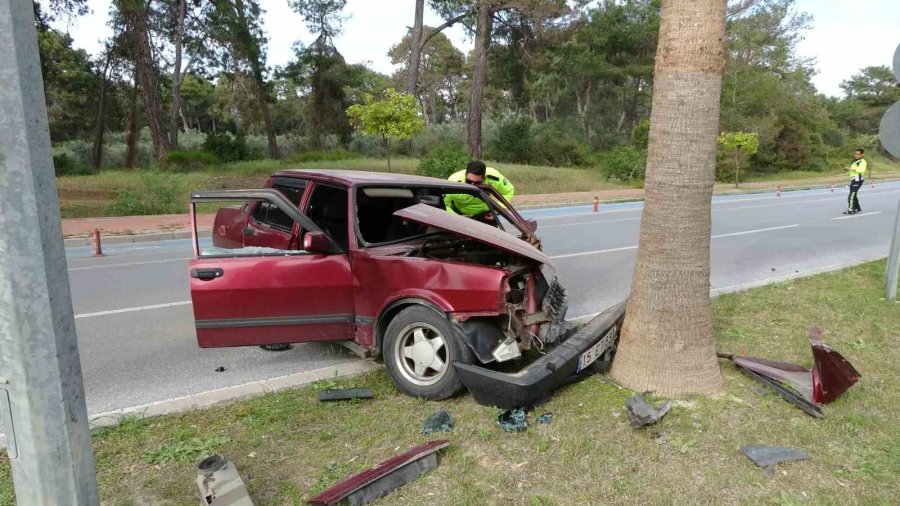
(889, 133)
(42, 407)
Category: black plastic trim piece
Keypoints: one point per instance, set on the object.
(274, 322)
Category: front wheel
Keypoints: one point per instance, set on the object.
(419, 349)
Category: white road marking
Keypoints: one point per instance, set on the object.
(598, 252)
(625, 248)
(755, 231)
(106, 266)
(132, 309)
(855, 216)
(589, 222)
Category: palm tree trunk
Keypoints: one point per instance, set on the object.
(667, 339)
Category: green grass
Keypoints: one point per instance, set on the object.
(288, 446)
(92, 196)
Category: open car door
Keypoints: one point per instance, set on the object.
(261, 295)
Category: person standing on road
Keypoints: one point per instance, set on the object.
(857, 170)
(477, 173)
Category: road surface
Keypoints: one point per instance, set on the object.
(135, 326)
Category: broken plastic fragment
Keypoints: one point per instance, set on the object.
(343, 394)
(767, 456)
(513, 420)
(545, 419)
(382, 479)
(440, 421)
(641, 413)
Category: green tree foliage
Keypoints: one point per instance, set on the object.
(443, 161)
(868, 94)
(70, 80)
(441, 77)
(739, 146)
(393, 115)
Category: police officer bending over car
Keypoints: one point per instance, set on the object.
(478, 174)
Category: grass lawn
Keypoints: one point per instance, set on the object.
(288, 446)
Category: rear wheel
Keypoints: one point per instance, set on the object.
(419, 349)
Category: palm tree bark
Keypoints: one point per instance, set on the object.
(482, 40)
(667, 340)
(136, 17)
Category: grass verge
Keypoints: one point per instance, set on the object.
(288, 446)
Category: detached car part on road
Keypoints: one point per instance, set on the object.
(375, 261)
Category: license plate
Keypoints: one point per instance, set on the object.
(596, 351)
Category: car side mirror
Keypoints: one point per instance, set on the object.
(317, 242)
(531, 225)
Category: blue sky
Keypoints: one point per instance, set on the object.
(846, 35)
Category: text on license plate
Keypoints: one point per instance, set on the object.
(596, 351)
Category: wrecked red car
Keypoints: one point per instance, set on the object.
(376, 262)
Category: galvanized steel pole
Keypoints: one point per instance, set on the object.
(41, 393)
(893, 266)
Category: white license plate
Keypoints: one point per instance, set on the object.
(596, 351)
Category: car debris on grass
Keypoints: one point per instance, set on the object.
(382, 479)
(343, 394)
(831, 375)
(440, 421)
(641, 413)
(767, 456)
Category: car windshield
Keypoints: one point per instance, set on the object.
(375, 208)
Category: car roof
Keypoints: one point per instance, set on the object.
(359, 177)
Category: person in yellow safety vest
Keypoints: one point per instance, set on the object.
(477, 173)
(857, 170)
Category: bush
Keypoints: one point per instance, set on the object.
(66, 166)
(625, 163)
(443, 161)
(158, 194)
(437, 135)
(320, 156)
(188, 161)
(555, 146)
(514, 141)
(225, 147)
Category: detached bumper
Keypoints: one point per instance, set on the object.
(544, 375)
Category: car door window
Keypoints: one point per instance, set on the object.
(328, 209)
(269, 215)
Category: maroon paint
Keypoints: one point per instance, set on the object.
(316, 285)
(271, 287)
(482, 232)
(832, 374)
(344, 488)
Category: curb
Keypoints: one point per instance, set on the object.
(134, 238)
(229, 394)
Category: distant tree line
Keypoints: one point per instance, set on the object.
(547, 82)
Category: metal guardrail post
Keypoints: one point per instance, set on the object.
(43, 405)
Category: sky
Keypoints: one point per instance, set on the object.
(846, 35)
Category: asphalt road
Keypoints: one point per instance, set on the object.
(135, 325)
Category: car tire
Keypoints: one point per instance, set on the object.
(420, 346)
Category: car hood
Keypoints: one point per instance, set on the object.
(467, 227)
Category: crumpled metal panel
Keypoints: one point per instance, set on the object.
(481, 232)
(832, 374)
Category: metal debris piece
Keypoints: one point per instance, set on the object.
(220, 484)
(513, 420)
(384, 478)
(831, 375)
(220, 369)
(641, 413)
(545, 419)
(440, 421)
(276, 347)
(343, 394)
(767, 456)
